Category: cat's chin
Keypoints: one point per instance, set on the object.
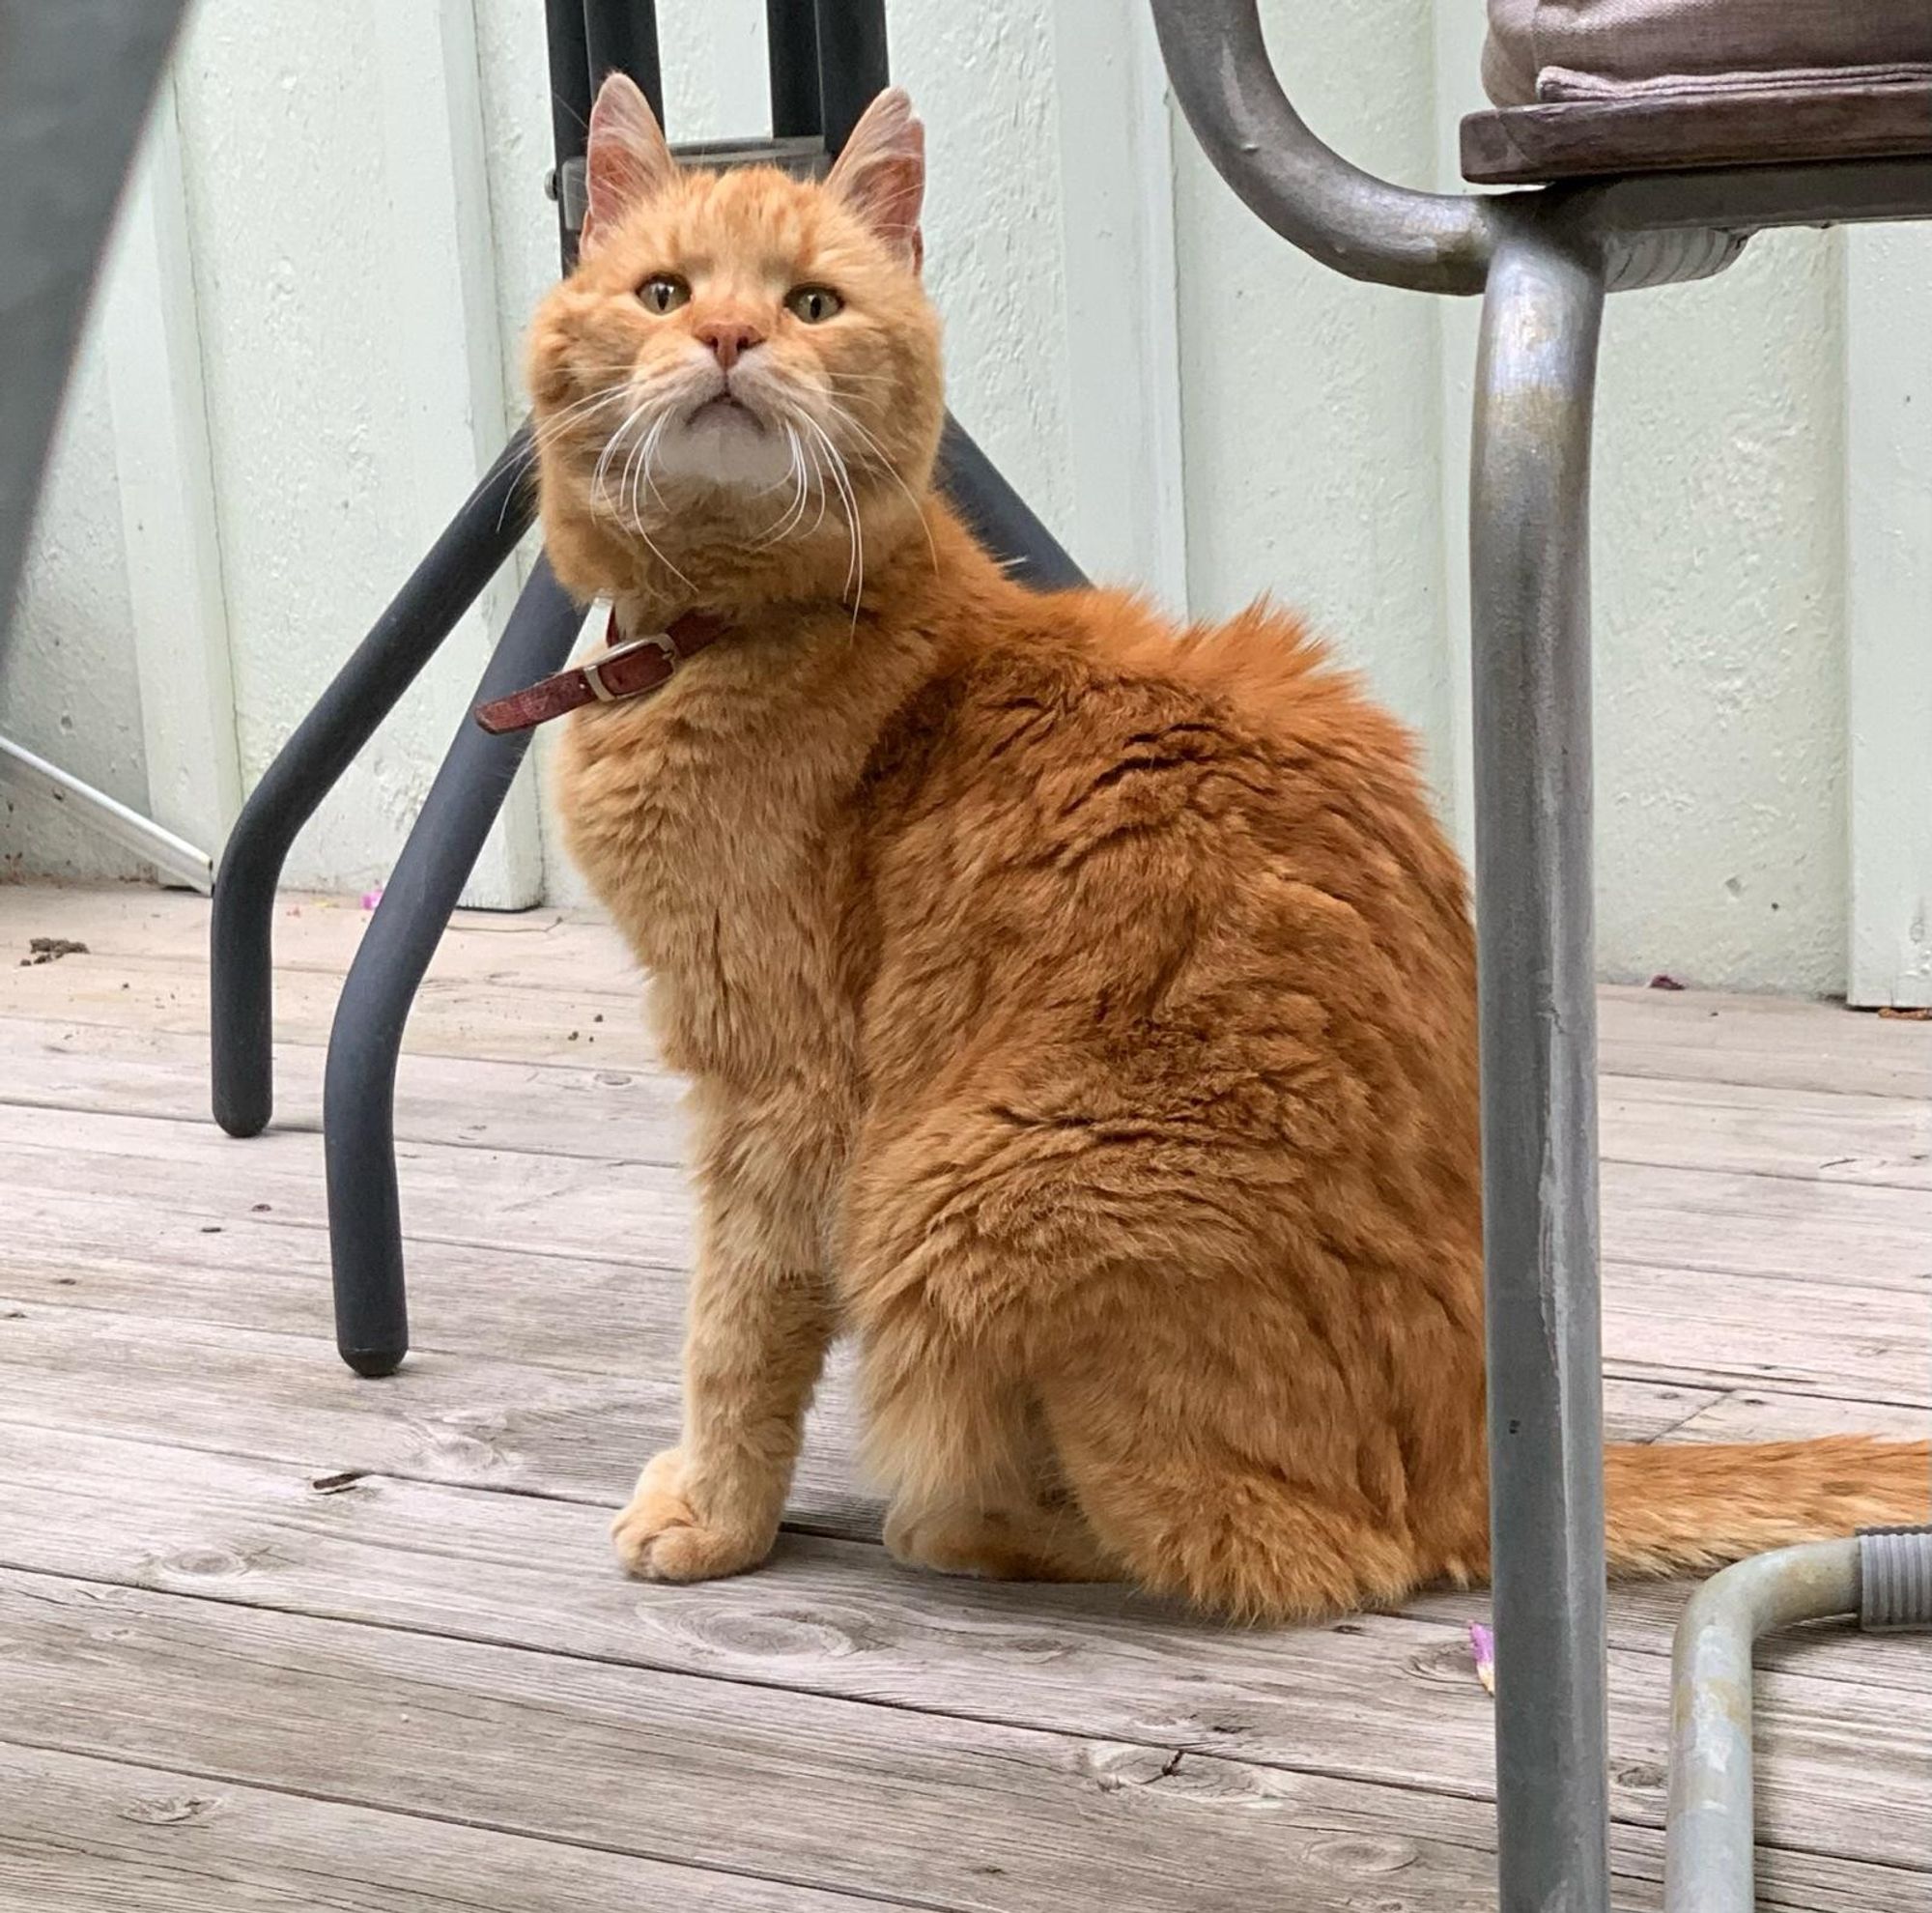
(723, 448)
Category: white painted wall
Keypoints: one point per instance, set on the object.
(67, 683)
(1196, 406)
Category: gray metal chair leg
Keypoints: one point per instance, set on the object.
(1529, 535)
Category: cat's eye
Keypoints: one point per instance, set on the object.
(814, 304)
(663, 292)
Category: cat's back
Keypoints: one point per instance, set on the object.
(1080, 741)
(1200, 858)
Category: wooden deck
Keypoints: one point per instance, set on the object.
(274, 1639)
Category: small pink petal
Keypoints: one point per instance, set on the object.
(1482, 1646)
(371, 898)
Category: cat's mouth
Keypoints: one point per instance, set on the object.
(724, 408)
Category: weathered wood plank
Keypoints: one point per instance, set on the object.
(89, 1835)
(461, 1419)
(491, 1198)
(546, 1108)
(1768, 1225)
(604, 1314)
(252, 1270)
(567, 1108)
(1774, 1041)
(507, 1018)
(831, 1793)
(851, 1795)
(560, 948)
(1758, 1415)
(566, 958)
(1767, 1331)
(1387, 1699)
(513, 1200)
(534, 1430)
(1747, 1130)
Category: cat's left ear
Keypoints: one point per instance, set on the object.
(880, 173)
(626, 159)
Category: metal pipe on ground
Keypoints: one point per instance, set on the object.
(1883, 1577)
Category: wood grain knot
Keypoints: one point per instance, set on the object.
(172, 1810)
(1364, 1853)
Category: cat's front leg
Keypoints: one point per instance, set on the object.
(761, 1316)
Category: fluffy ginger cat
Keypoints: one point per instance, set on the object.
(1079, 1010)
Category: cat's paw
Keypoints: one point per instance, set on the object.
(993, 1544)
(660, 1536)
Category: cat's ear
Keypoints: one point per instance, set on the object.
(881, 172)
(626, 159)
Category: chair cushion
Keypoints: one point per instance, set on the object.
(1541, 50)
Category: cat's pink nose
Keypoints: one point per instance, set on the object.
(728, 339)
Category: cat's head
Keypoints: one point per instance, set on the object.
(743, 364)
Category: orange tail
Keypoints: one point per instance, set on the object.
(1693, 1506)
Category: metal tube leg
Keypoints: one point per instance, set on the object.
(853, 67)
(363, 692)
(1000, 518)
(791, 61)
(1709, 1859)
(1529, 531)
(359, 1080)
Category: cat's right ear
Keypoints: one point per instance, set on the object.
(626, 159)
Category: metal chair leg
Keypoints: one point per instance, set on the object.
(1000, 518)
(382, 667)
(1529, 535)
(359, 1080)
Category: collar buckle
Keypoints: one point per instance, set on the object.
(592, 667)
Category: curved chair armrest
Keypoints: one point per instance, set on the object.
(1346, 219)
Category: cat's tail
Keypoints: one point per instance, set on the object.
(1695, 1506)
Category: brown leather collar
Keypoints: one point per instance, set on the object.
(622, 669)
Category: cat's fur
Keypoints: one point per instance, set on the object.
(1079, 1010)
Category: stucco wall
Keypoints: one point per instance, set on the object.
(1310, 404)
(66, 686)
(1719, 594)
(1321, 438)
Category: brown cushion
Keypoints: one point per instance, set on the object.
(1604, 49)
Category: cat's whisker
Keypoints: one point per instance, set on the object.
(643, 485)
(818, 485)
(649, 451)
(544, 432)
(651, 488)
(568, 420)
(845, 419)
(793, 514)
(855, 573)
(789, 521)
(636, 470)
(600, 478)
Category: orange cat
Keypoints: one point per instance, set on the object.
(1079, 1010)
